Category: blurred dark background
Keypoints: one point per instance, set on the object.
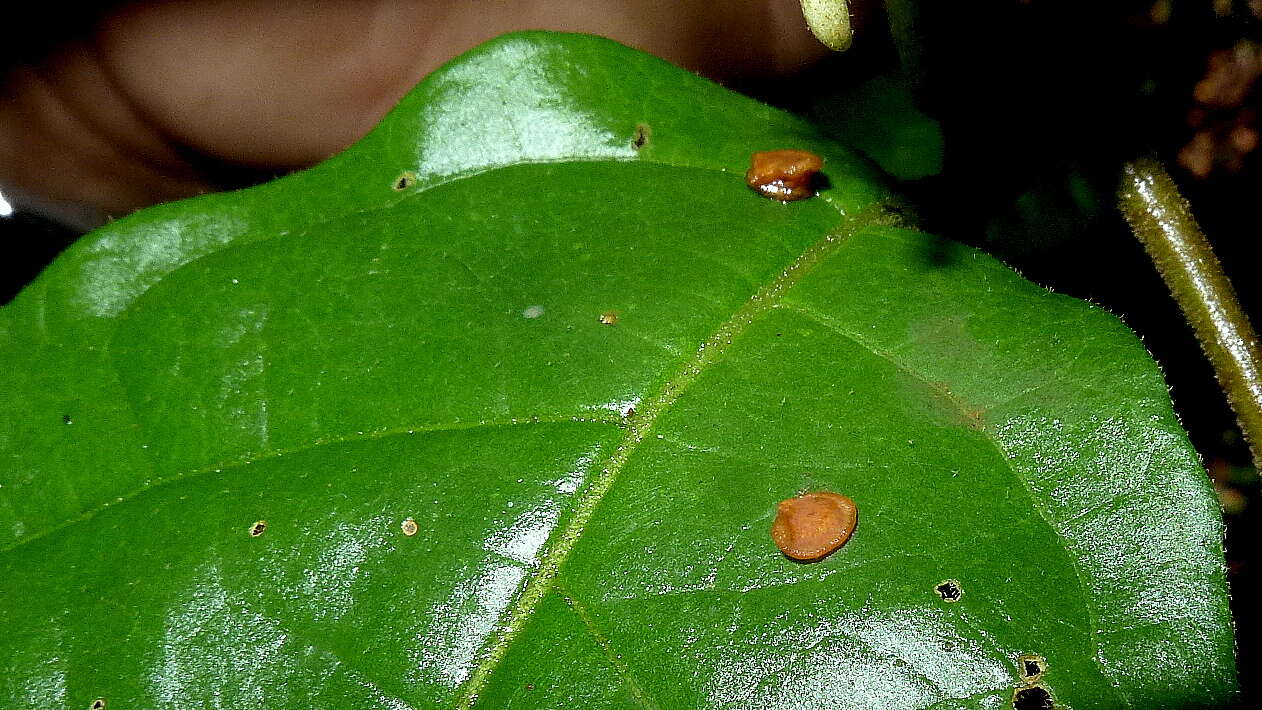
(1007, 121)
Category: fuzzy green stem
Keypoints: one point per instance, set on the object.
(1162, 221)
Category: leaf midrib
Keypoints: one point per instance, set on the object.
(562, 543)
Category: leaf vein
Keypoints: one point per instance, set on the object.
(985, 431)
(763, 300)
(588, 418)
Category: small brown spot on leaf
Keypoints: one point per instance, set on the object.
(785, 175)
(609, 318)
(811, 526)
(641, 137)
(409, 527)
(257, 528)
(404, 181)
(949, 590)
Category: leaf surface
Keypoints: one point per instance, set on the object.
(220, 414)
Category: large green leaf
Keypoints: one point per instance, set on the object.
(412, 330)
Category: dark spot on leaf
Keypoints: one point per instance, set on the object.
(65, 419)
(404, 181)
(257, 528)
(641, 137)
(98, 704)
(1032, 667)
(894, 209)
(530, 686)
(950, 590)
(975, 419)
(1034, 697)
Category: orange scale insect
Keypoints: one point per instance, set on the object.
(811, 526)
(785, 175)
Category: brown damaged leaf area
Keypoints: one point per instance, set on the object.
(811, 526)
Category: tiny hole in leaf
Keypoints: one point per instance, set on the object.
(950, 590)
(404, 181)
(1032, 667)
(1035, 697)
(257, 528)
(98, 704)
(409, 527)
(641, 138)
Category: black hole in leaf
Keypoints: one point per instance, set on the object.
(950, 590)
(1034, 698)
(258, 528)
(1032, 666)
(820, 182)
(98, 704)
(404, 181)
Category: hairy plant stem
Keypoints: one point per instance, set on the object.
(1162, 221)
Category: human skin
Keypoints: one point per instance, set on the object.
(159, 98)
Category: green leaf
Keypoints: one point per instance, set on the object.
(880, 119)
(412, 331)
